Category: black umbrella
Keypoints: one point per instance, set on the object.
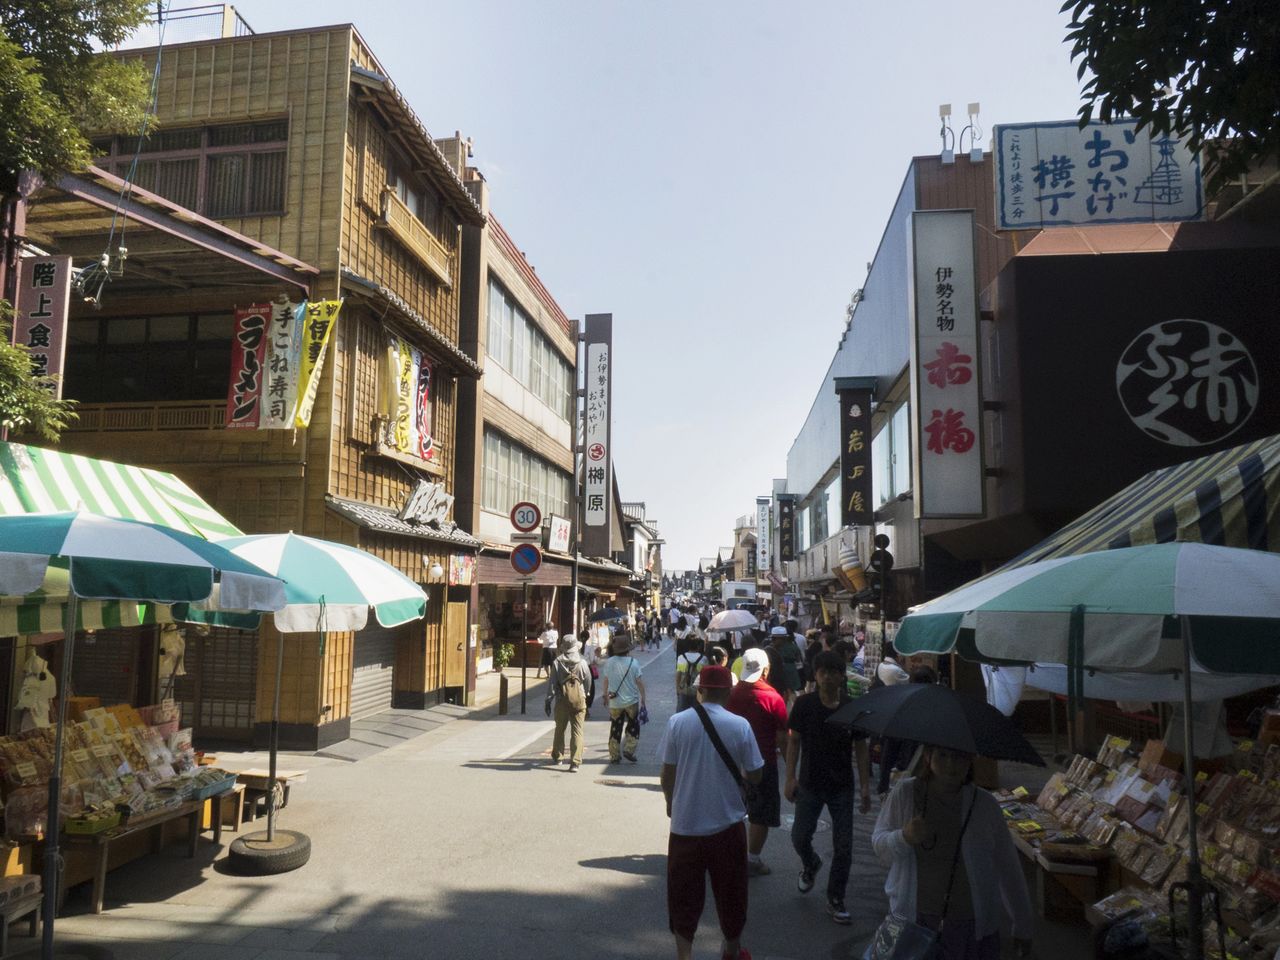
(936, 715)
(606, 613)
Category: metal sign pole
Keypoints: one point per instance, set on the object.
(524, 650)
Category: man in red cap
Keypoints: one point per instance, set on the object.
(707, 753)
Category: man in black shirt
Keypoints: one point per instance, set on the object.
(824, 753)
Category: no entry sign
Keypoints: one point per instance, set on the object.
(526, 559)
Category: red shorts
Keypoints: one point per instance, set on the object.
(723, 855)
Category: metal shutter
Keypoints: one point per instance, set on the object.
(104, 665)
(373, 669)
(219, 692)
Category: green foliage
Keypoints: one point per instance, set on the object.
(53, 86)
(1206, 68)
(502, 655)
(27, 402)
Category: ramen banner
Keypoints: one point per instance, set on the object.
(407, 400)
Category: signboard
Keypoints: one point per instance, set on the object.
(1055, 174)
(597, 488)
(317, 325)
(462, 569)
(559, 532)
(248, 349)
(763, 555)
(526, 559)
(526, 516)
(786, 528)
(855, 451)
(428, 503)
(40, 315)
(284, 359)
(946, 400)
(408, 402)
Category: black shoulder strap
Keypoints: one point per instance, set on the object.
(955, 859)
(718, 743)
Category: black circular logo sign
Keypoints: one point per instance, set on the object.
(1187, 382)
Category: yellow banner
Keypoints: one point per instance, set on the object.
(317, 325)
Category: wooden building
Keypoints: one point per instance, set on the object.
(299, 144)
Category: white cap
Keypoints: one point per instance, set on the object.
(754, 662)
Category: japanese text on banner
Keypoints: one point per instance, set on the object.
(248, 348)
(284, 358)
(317, 326)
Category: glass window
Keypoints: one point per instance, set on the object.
(882, 465)
(832, 497)
(902, 449)
(802, 529)
(517, 345)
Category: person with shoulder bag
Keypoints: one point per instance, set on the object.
(688, 665)
(955, 877)
(624, 696)
(567, 687)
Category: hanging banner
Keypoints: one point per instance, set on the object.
(284, 359)
(40, 314)
(407, 400)
(763, 554)
(597, 487)
(946, 401)
(317, 326)
(786, 528)
(855, 450)
(248, 349)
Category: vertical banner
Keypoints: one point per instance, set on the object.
(855, 395)
(284, 358)
(945, 382)
(317, 325)
(40, 314)
(763, 554)
(786, 528)
(248, 348)
(424, 445)
(407, 400)
(597, 454)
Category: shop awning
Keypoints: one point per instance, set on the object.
(38, 480)
(45, 610)
(1230, 498)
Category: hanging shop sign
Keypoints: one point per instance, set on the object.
(786, 528)
(248, 350)
(946, 399)
(1057, 174)
(40, 314)
(428, 503)
(597, 451)
(762, 534)
(284, 362)
(559, 532)
(462, 569)
(855, 394)
(317, 326)
(407, 400)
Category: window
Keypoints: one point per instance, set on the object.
(232, 170)
(512, 474)
(902, 449)
(176, 357)
(517, 345)
(802, 530)
(891, 456)
(832, 497)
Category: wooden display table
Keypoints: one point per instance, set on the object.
(1082, 883)
(256, 783)
(15, 910)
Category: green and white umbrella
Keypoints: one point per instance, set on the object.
(109, 558)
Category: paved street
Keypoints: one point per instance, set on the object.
(463, 843)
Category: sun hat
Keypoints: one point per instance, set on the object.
(754, 662)
(620, 643)
(713, 678)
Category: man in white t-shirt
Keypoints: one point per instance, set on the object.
(708, 833)
(550, 640)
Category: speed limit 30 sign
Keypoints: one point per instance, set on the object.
(526, 517)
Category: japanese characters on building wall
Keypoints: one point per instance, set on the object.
(855, 455)
(40, 314)
(1054, 174)
(947, 403)
(407, 400)
(763, 562)
(248, 350)
(597, 455)
(786, 528)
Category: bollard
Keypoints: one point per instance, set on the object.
(502, 695)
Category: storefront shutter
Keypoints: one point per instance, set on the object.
(373, 671)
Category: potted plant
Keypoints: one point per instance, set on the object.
(502, 654)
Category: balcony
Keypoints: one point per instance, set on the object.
(417, 239)
(118, 417)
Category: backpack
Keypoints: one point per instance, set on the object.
(686, 677)
(572, 690)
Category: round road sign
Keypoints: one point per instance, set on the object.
(526, 559)
(526, 517)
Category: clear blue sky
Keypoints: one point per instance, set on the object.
(716, 175)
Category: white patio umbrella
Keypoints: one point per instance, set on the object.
(108, 558)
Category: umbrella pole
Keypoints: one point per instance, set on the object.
(1195, 904)
(52, 859)
(275, 740)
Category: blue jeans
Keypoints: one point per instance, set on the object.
(839, 804)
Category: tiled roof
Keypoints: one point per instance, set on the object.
(384, 520)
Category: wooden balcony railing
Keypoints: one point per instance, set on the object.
(180, 415)
(417, 239)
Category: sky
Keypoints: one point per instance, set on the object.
(715, 174)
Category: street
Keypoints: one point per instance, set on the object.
(464, 842)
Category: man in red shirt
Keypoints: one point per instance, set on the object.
(762, 707)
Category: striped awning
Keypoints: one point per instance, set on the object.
(1230, 498)
(38, 480)
(45, 610)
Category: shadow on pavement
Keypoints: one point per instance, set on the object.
(646, 864)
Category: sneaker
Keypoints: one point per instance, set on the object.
(758, 868)
(836, 908)
(573, 768)
(631, 757)
(804, 883)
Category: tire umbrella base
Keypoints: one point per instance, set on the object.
(255, 855)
